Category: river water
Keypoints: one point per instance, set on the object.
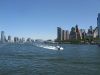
(26, 59)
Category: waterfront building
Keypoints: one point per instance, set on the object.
(9, 38)
(65, 38)
(29, 40)
(98, 24)
(63, 35)
(23, 40)
(95, 33)
(67, 35)
(59, 34)
(82, 34)
(3, 36)
(90, 32)
(16, 39)
(77, 33)
(73, 35)
(82, 30)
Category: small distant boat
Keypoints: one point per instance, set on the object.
(48, 46)
(51, 47)
(59, 48)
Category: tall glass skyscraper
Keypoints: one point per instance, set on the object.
(59, 34)
(98, 24)
(2, 37)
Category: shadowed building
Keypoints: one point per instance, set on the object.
(63, 35)
(98, 24)
(2, 36)
(73, 35)
(65, 38)
(67, 35)
(90, 33)
(95, 33)
(77, 33)
(16, 39)
(59, 34)
(82, 33)
(9, 38)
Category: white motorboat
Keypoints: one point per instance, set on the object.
(59, 48)
(48, 46)
(51, 47)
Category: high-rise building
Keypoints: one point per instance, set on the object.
(59, 34)
(2, 36)
(91, 29)
(16, 39)
(98, 24)
(63, 35)
(9, 38)
(82, 34)
(22, 40)
(67, 35)
(29, 40)
(77, 32)
(73, 35)
(90, 32)
(95, 33)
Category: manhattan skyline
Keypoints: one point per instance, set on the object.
(38, 19)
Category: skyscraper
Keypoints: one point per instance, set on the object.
(98, 24)
(59, 34)
(73, 35)
(9, 38)
(95, 33)
(82, 34)
(16, 39)
(67, 35)
(91, 29)
(2, 37)
(77, 33)
(90, 32)
(64, 35)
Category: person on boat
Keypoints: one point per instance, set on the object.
(58, 47)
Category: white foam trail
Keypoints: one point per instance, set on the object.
(50, 47)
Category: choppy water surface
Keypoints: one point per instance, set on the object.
(26, 59)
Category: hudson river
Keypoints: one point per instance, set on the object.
(26, 59)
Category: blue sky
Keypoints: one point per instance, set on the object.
(39, 18)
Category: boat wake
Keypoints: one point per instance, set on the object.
(51, 47)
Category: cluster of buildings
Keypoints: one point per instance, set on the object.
(62, 35)
(79, 34)
(9, 39)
